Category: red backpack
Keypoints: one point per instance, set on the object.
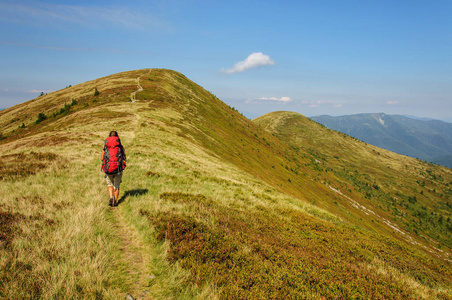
(114, 156)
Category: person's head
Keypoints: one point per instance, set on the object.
(113, 133)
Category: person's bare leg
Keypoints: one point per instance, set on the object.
(116, 196)
(111, 192)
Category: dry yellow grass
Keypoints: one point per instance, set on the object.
(65, 242)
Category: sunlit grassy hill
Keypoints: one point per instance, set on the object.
(411, 194)
(429, 140)
(213, 206)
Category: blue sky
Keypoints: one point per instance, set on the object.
(312, 57)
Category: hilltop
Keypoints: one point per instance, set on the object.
(213, 205)
(429, 140)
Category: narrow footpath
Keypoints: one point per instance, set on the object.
(133, 96)
(135, 258)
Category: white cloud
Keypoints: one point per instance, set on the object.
(282, 99)
(392, 102)
(72, 49)
(35, 91)
(322, 103)
(86, 16)
(254, 60)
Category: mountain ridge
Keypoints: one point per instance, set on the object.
(337, 152)
(429, 140)
(225, 207)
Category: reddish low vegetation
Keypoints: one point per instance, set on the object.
(24, 275)
(8, 227)
(285, 254)
(21, 165)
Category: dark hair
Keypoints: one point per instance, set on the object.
(113, 133)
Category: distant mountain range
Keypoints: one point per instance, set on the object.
(426, 139)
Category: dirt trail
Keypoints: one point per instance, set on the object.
(133, 95)
(134, 258)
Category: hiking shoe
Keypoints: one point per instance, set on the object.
(115, 203)
(111, 201)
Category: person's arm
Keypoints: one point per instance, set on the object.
(103, 151)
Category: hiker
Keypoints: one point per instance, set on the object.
(113, 164)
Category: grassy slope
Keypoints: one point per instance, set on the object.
(410, 193)
(415, 138)
(213, 206)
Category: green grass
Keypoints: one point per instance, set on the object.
(409, 193)
(212, 205)
(60, 245)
